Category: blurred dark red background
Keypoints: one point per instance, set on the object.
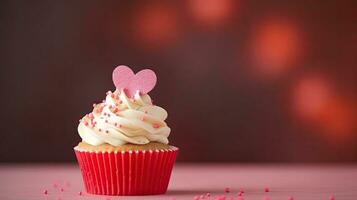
(243, 81)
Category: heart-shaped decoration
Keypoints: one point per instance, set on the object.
(125, 79)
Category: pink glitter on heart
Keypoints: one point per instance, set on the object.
(125, 79)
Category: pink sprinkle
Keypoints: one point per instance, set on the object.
(155, 125)
(94, 104)
(91, 116)
(290, 198)
(120, 102)
(266, 189)
(86, 123)
(221, 198)
(227, 190)
(240, 198)
(80, 193)
(62, 189)
(208, 194)
(45, 192)
(202, 196)
(332, 197)
(266, 198)
(55, 185)
(196, 197)
(142, 118)
(240, 193)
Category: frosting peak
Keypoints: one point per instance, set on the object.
(119, 120)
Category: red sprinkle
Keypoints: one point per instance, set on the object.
(290, 198)
(332, 197)
(227, 190)
(240, 193)
(155, 125)
(80, 193)
(208, 194)
(86, 123)
(45, 192)
(266, 189)
(62, 189)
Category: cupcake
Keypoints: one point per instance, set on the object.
(124, 148)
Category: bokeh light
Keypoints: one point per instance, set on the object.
(212, 12)
(316, 101)
(156, 25)
(311, 95)
(276, 46)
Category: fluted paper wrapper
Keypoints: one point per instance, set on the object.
(126, 173)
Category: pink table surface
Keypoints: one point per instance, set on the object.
(303, 182)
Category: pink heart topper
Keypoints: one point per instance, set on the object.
(125, 79)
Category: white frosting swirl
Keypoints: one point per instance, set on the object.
(120, 120)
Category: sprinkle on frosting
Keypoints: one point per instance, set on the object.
(124, 120)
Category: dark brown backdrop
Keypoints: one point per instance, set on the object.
(57, 59)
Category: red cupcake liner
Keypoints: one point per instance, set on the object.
(127, 172)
